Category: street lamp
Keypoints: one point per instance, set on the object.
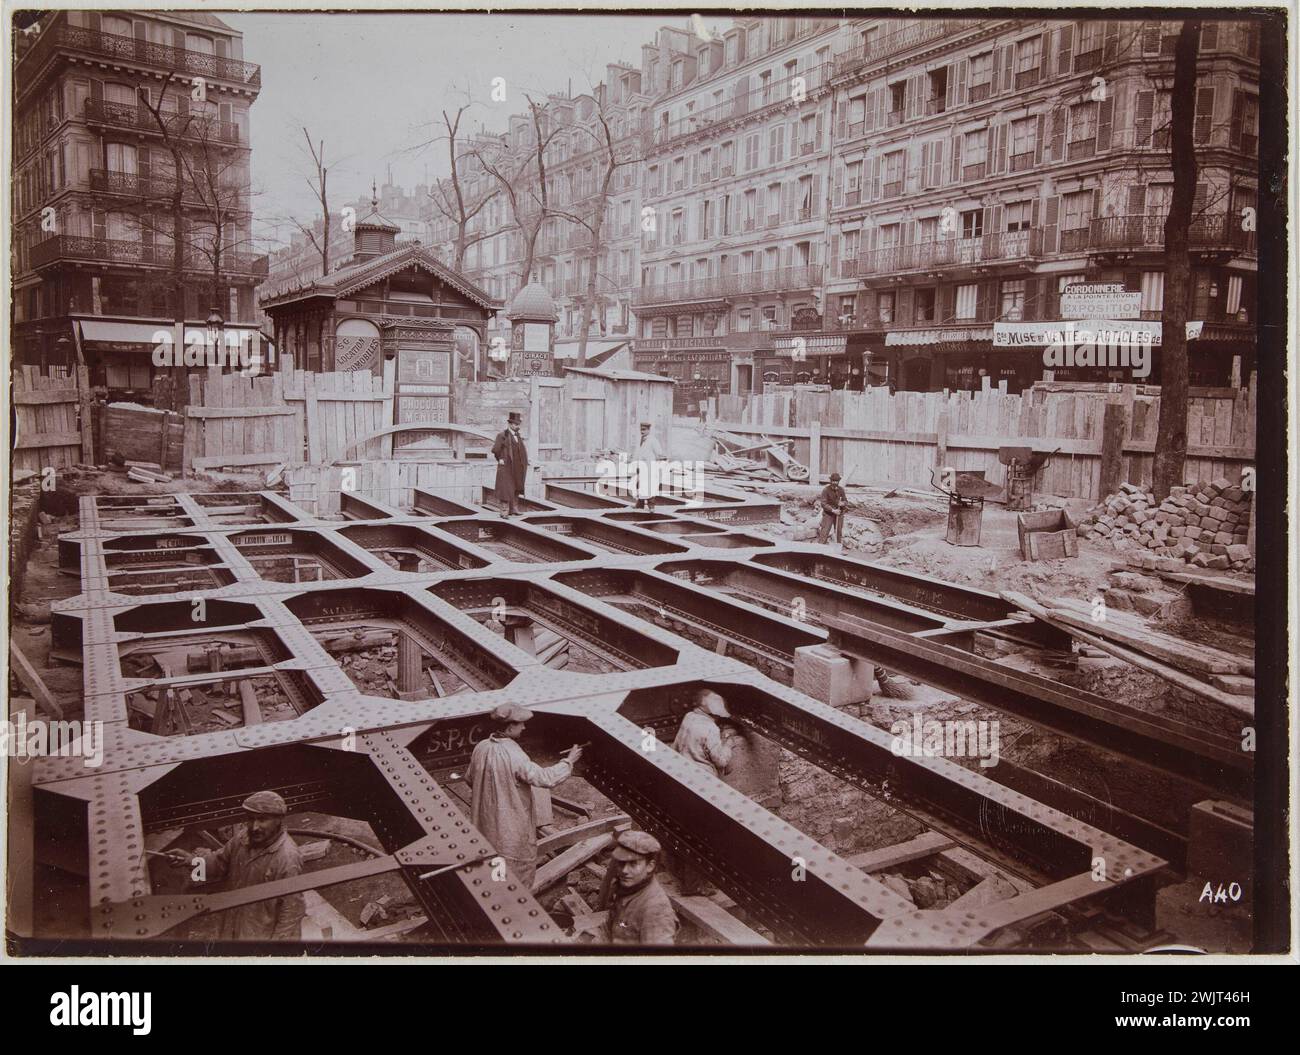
(214, 328)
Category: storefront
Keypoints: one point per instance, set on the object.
(121, 355)
(845, 360)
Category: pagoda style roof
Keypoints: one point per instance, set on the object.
(354, 277)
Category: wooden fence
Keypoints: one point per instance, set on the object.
(291, 416)
(1106, 433)
(300, 417)
(52, 419)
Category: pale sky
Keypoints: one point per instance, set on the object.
(369, 85)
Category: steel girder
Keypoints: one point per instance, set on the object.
(602, 567)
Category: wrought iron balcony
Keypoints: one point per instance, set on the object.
(771, 280)
(1220, 231)
(140, 119)
(911, 36)
(1007, 246)
(139, 254)
(134, 185)
(142, 53)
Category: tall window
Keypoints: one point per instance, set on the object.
(776, 144)
(966, 300)
(751, 152)
(1083, 121)
(981, 69)
(1024, 142)
(972, 223)
(1013, 299)
(1029, 54)
(1018, 215)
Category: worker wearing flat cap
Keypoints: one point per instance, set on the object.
(260, 852)
(501, 777)
(700, 738)
(833, 499)
(512, 464)
(640, 912)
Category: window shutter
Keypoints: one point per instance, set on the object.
(1051, 217)
(1137, 193)
(97, 224)
(817, 143)
(995, 71)
(1199, 200)
(869, 113)
(903, 314)
(875, 179)
(1144, 115)
(790, 197)
(842, 122)
(950, 94)
(838, 191)
(1045, 58)
(1204, 114)
(1112, 42)
(936, 163)
(1235, 130)
(1008, 67)
(817, 195)
(835, 257)
(1105, 120)
(995, 226)
(925, 163)
(1004, 133)
(1065, 52)
(1058, 134)
(178, 39)
(956, 159)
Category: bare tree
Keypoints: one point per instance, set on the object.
(449, 196)
(318, 182)
(1171, 433)
(522, 180)
(611, 152)
(173, 126)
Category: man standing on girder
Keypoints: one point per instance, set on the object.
(833, 499)
(260, 852)
(512, 464)
(501, 777)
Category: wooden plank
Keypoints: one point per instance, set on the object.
(1185, 655)
(313, 420)
(49, 439)
(44, 396)
(573, 858)
(216, 461)
(238, 412)
(579, 832)
(31, 680)
(712, 918)
(924, 845)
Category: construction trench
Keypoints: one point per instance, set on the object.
(234, 642)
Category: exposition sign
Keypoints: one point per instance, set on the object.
(1099, 300)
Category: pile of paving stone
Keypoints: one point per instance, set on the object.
(1205, 524)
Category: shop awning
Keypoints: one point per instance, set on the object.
(112, 335)
(918, 338)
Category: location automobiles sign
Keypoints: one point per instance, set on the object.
(1099, 300)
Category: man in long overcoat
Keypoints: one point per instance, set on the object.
(512, 465)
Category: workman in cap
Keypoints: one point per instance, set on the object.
(833, 499)
(700, 738)
(512, 464)
(640, 912)
(261, 851)
(648, 455)
(501, 776)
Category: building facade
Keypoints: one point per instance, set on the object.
(94, 181)
(861, 202)
(981, 166)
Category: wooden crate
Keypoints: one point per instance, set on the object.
(1047, 535)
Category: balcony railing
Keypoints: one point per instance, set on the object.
(1021, 162)
(894, 117)
(139, 118)
(856, 128)
(950, 252)
(853, 197)
(1082, 148)
(131, 184)
(1088, 60)
(774, 280)
(937, 105)
(980, 92)
(1075, 240)
(975, 171)
(1218, 231)
(118, 251)
(911, 36)
(143, 53)
(738, 106)
(1026, 78)
(892, 190)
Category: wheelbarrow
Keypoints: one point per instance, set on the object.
(966, 492)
